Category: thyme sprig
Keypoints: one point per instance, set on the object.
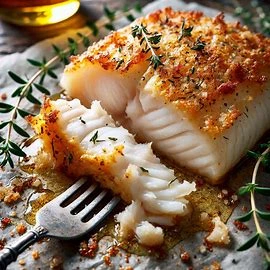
(257, 16)
(149, 40)
(260, 238)
(45, 68)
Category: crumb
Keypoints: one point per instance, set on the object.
(36, 183)
(21, 262)
(89, 249)
(3, 96)
(5, 221)
(21, 228)
(203, 249)
(240, 225)
(113, 251)
(11, 197)
(35, 255)
(107, 259)
(3, 242)
(56, 262)
(215, 266)
(12, 214)
(127, 257)
(185, 257)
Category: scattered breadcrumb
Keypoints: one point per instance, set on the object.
(240, 225)
(36, 183)
(21, 262)
(35, 254)
(21, 228)
(185, 257)
(8, 195)
(3, 96)
(107, 259)
(56, 262)
(220, 233)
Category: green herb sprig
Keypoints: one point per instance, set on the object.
(26, 87)
(260, 238)
(150, 40)
(257, 17)
(185, 31)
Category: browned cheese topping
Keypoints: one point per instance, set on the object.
(211, 69)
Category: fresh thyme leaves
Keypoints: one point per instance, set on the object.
(198, 45)
(112, 139)
(94, 137)
(119, 63)
(185, 31)
(257, 17)
(260, 237)
(149, 40)
(172, 181)
(82, 120)
(144, 170)
(27, 86)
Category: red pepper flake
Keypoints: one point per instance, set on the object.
(199, 183)
(227, 88)
(127, 258)
(208, 245)
(89, 249)
(113, 251)
(240, 225)
(5, 221)
(3, 242)
(267, 207)
(4, 96)
(185, 257)
(107, 259)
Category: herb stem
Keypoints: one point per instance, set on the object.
(148, 43)
(252, 195)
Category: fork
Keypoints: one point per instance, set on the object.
(75, 212)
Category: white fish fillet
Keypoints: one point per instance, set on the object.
(203, 108)
(87, 142)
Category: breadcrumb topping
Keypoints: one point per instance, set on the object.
(211, 69)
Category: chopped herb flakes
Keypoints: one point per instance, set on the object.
(144, 170)
(82, 120)
(185, 32)
(94, 138)
(198, 45)
(112, 139)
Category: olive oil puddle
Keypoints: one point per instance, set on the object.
(204, 200)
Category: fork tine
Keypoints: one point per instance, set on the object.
(102, 214)
(71, 190)
(82, 197)
(93, 204)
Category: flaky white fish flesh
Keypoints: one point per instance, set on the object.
(85, 141)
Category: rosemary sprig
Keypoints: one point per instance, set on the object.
(150, 40)
(45, 68)
(260, 237)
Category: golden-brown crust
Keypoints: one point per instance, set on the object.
(70, 158)
(212, 84)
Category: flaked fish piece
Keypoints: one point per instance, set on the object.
(204, 107)
(85, 141)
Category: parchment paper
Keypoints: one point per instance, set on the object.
(68, 251)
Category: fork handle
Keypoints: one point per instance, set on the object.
(10, 253)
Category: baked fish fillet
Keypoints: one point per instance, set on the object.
(203, 107)
(85, 141)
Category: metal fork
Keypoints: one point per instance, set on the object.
(70, 215)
